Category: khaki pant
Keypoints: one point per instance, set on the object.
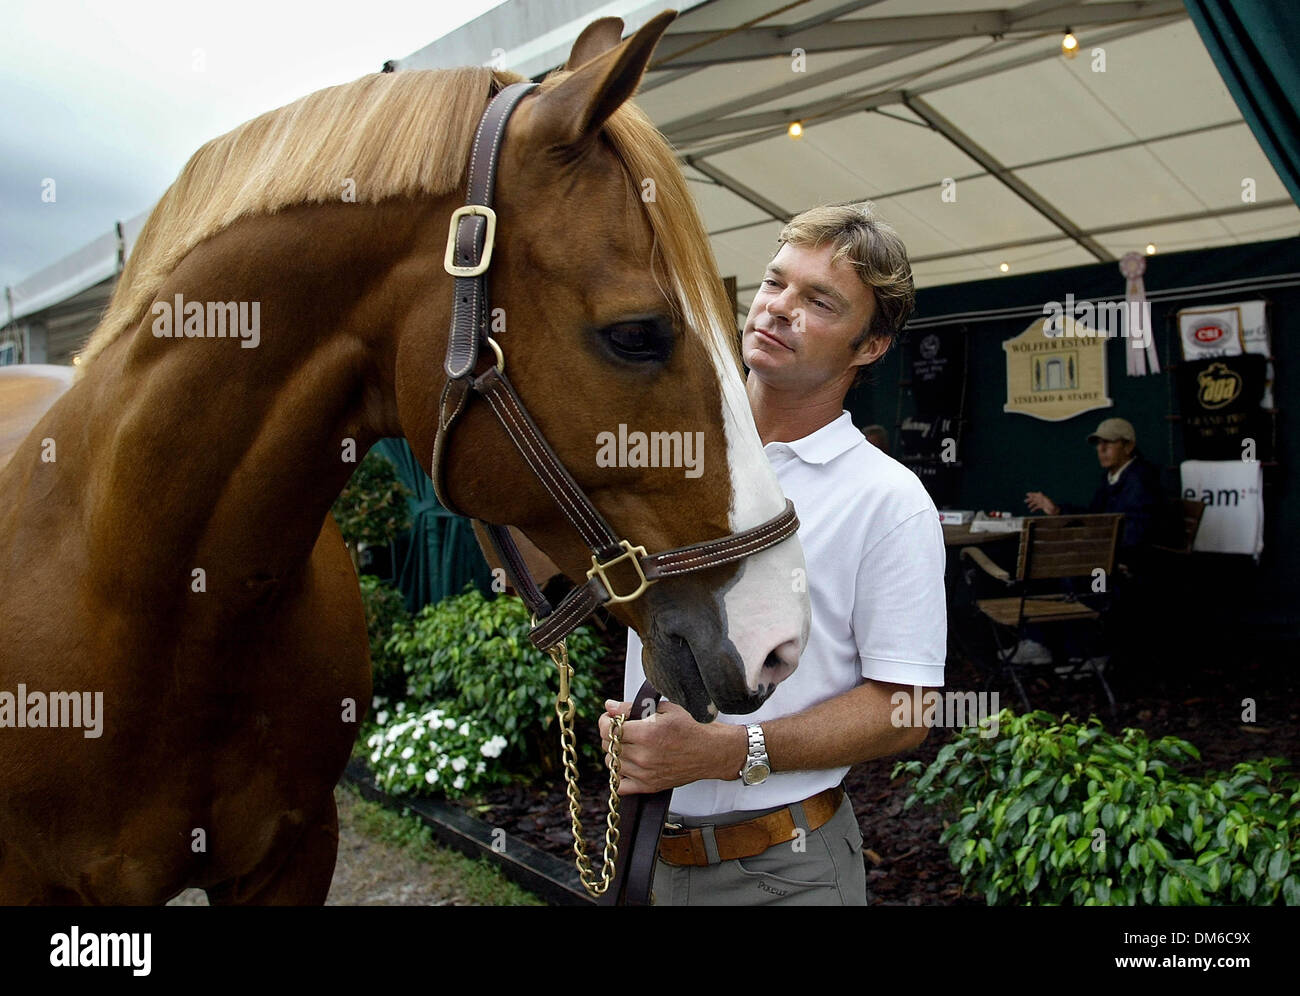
(822, 867)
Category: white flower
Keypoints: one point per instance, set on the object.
(493, 747)
(459, 764)
(375, 740)
(382, 718)
(449, 724)
(442, 761)
(431, 776)
(459, 783)
(408, 753)
(417, 733)
(480, 767)
(464, 729)
(374, 758)
(411, 769)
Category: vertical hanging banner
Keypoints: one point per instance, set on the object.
(930, 439)
(1228, 330)
(938, 367)
(1056, 376)
(1219, 401)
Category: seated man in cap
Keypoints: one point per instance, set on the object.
(1132, 486)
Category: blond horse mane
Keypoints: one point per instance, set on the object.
(393, 134)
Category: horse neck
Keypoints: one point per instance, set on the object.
(207, 454)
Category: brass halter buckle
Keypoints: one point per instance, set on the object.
(489, 239)
(632, 553)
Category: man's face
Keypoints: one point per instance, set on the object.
(1113, 454)
(805, 315)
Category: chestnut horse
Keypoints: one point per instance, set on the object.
(165, 537)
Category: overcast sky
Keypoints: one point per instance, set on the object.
(110, 98)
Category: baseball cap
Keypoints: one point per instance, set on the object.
(1112, 430)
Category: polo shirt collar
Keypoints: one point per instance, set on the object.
(1112, 478)
(826, 443)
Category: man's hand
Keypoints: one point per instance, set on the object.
(1039, 502)
(668, 748)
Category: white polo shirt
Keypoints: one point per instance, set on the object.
(875, 557)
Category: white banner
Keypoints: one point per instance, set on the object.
(1233, 493)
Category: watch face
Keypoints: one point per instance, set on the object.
(756, 773)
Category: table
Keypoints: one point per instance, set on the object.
(962, 536)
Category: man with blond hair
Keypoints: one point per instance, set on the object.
(758, 813)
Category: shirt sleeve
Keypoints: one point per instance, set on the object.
(633, 671)
(900, 612)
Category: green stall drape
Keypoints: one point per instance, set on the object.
(443, 555)
(1256, 46)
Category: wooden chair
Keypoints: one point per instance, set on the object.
(1192, 512)
(1052, 549)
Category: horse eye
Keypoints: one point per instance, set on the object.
(639, 342)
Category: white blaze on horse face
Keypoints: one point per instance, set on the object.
(767, 607)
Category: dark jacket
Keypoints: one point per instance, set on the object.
(1137, 494)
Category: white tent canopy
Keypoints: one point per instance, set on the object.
(1047, 162)
(1053, 162)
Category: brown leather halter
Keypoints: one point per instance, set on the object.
(470, 240)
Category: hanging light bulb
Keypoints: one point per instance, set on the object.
(795, 130)
(1004, 267)
(1151, 248)
(1069, 45)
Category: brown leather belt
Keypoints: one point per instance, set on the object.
(685, 845)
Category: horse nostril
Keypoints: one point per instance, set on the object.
(781, 662)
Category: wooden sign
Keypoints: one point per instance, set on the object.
(1056, 377)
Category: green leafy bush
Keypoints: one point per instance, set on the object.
(475, 653)
(385, 613)
(1054, 812)
(372, 507)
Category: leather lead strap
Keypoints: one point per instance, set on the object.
(642, 822)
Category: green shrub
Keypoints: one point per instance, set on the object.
(1053, 812)
(385, 613)
(372, 508)
(474, 654)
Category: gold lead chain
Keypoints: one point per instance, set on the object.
(595, 885)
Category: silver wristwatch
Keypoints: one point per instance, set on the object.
(757, 767)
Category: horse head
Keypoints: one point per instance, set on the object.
(610, 314)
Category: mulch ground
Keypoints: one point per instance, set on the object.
(1194, 691)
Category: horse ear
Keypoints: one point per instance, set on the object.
(578, 106)
(597, 38)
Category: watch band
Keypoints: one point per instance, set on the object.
(756, 755)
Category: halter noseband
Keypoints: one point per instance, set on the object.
(470, 240)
